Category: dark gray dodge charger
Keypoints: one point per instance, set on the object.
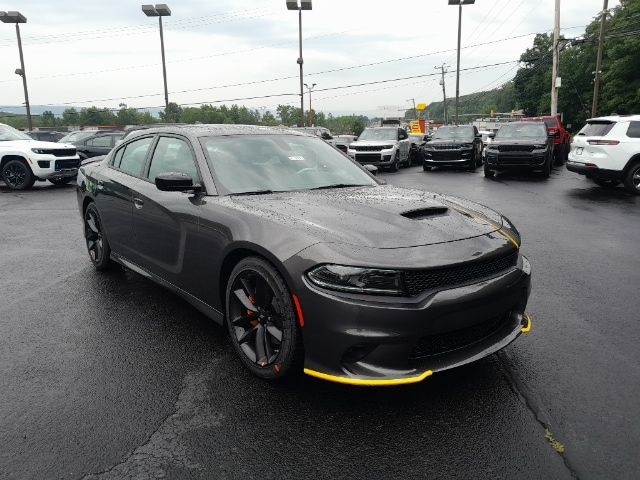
(309, 261)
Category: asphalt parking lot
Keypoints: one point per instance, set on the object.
(110, 376)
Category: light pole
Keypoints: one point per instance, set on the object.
(596, 83)
(310, 89)
(444, 91)
(18, 18)
(556, 59)
(300, 5)
(459, 3)
(160, 10)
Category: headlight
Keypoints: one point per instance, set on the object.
(39, 151)
(356, 279)
(387, 147)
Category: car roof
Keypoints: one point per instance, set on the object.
(617, 118)
(218, 130)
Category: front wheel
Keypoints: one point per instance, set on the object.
(488, 172)
(17, 175)
(546, 169)
(632, 179)
(395, 166)
(426, 168)
(261, 320)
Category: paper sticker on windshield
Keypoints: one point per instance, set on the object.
(296, 158)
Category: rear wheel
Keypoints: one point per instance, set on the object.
(261, 320)
(97, 243)
(17, 175)
(632, 179)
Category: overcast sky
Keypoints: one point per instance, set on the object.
(85, 52)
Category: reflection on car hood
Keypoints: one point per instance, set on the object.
(36, 144)
(372, 216)
(518, 141)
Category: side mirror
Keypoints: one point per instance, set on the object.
(175, 182)
(492, 135)
(372, 169)
(478, 135)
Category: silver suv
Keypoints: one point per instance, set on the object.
(383, 147)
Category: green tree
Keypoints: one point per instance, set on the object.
(47, 119)
(172, 113)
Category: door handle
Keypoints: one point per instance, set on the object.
(138, 203)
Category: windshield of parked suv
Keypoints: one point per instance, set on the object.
(458, 134)
(523, 130)
(379, 134)
(275, 163)
(76, 136)
(8, 133)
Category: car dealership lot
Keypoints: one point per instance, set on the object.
(112, 376)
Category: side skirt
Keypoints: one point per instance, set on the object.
(203, 307)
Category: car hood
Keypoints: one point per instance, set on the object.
(519, 141)
(28, 144)
(379, 217)
(449, 142)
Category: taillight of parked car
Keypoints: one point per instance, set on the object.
(603, 142)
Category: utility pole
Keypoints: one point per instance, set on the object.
(596, 83)
(18, 18)
(554, 73)
(415, 112)
(309, 90)
(444, 92)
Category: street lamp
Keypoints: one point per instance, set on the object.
(310, 89)
(160, 10)
(300, 5)
(459, 3)
(18, 18)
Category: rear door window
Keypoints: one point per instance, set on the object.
(634, 130)
(134, 156)
(597, 129)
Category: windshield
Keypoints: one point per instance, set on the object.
(459, 134)
(76, 136)
(524, 130)
(379, 134)
(264, 163)
(8, 133)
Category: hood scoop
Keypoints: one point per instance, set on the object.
(422, 213)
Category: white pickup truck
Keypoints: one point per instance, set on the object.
(382, 147)
(24, 160)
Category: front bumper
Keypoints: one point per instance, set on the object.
(433, 158)
(382, 158)
(46, 167)
(515, 160)
(373, 340)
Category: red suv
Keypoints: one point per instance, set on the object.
(561, 142)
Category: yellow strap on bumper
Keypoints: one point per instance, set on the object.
(366, 382)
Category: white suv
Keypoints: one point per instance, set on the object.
(607, 150)
(24, 160)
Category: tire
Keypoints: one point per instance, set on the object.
(267, 337)
(426, 168)
(546, 169)
(97, 243)
(488, 172)
(472, 165)
(395, 166)
(606, 183)
(632, 179)
(60, 181)
(17, 175)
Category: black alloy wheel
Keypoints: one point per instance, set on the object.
(546, 168)
(261, 320)
(395, 166)
(17, 175)
(632, 179)
(97, 244)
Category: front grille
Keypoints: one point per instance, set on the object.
(515, 148)
(371, 148)
(368, 157)
(418, 281)
(437, 344)
(446, 146)
(59, 152)
(62, 164)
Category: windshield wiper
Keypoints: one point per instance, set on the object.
(337, 185)
(253, 192)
